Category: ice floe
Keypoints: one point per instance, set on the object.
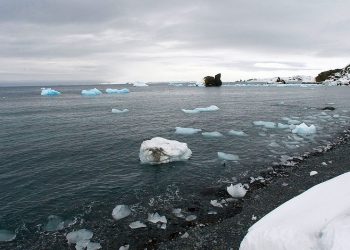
(139, 84)
(191, 217)
(316, 219)
(6, 235)
(120, 212)
(117, 91)
(212, 134)
(228, 157)
(80, 235)
(125, 247)
(265, 124)
(304, 129)
(313, 173)
(236, 191)
(55, 223)
(177, 212)
(91, 92)
(184, 236)
(119, 111)
(49, 92)
(136, 224)
(198, 110)
(155, 217)
(186, 131)
(93, 246)
(291, 121)
(237, 133)
(215, 203)
(159, 150)
(281, 125)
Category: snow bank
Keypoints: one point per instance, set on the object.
(265, 124)
(227, 157)
(91, 92)
(117, 91)
(304, 129)
(120, 212)
(198, 110)
(236, 191)
(212, 134)
(237, 132)
(119, 111)
(159, 150)
(49, 92)
(186, 131)
(319, 218)
(6, 235)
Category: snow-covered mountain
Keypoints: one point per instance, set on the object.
(335, 77)
(292, 79)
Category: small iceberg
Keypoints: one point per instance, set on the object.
(93, 246)
(80, 235)
(228, 157)
(139, 84)
(91, 92)
(191, 217)
(136, 224)
(120, 212)
(281, 125)
(304, 129)
(119, 111)
(236, 191)
(177, 212)
(215, 203)
(6, 235)
(49, 92)
(125, 247)
(159, 150)
(117, 91)
(186, 131)
(154, 218)
(237, 133)
(212, 134)
(313, 173)
(265, 124)
(198, 110)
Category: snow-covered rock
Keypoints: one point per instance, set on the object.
(159, 150)
(319, 218)
(119, 111)
(49, 92)
(337, 77)
(227, 157)
(6, 235)
(91, 92)
(304, 129)
(120, 212)
(198, 110)
(117, 91)
(186, 131)
(236, 191)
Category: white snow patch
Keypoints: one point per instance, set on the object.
(237, 133)
(227, 157)
(265, 124)
(136, 224)
(155, 217)
(212, 134)
(198, 110)
(120, 212)
(119, 111)
(6, 235)
(49, 92)
(117, 91)
(313, 173)
(91, 92)
(304, 129)
(186, 131)
(236, 191)
(159, 150)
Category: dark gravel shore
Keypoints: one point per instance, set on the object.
(285, 184)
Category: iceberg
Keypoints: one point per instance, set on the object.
(236, 191)
(186, 131)
(117, 91)
(91, 92)
(265, 124)
(154, 218)
(227, 157)
(120, 212)
(198, 110)
(119, 111)
(212, 134)
(136, 224)
(159, 150)
(6, 235)
(316, 219)
(237, 132)
(80, 235)
(304, 129)
(49, 92)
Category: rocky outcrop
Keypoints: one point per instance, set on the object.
(210, 81)
(335, 76)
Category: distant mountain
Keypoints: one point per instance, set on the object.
(335, 76)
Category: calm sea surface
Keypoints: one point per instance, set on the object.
(71, 157)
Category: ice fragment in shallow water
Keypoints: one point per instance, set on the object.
(80, 235)
(154, 218)
(177, 213)
(117, 91)
(236, 191)
(237, 132)
(265, 124)
(54, 223)
(186, 131)
(313, 173)
(184, 236)
(281, 125)
(215, 203)
(198, 110)
(49, 92)
(118, 111)
(228, 157)
(159, 150)
(125, 247)
(120, 212)
(6, 235)
(91, 92)
(212, 134)
(304, 129)
(191, 217)
(136, 224)
(212, 212)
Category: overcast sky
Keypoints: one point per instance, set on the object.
(149, 40)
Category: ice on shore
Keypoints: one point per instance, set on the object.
(49, 92)
(316, 219)
(91, 92)
(120, 212)
(237, 133)
(236, 191)
(228, 157)
(265, 124)
(6, 235)
(186, 131)
(155, 217)
(198, 110)
(117, 91)
(304, 129)
(119, 111)
(212, 134)
(159, 150)
(136, 224)
(80, 235)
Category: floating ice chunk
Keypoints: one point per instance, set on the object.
(212, 212)
(163, 226)
(117, 91)
(212, 134)
(274, 144)
(159, 150)
(291, 121)
(254, 217)
(93, 246)
(91, 92)
(6, 235)
(154, 218)
(80, 235)
(304, 129)
(228, 157)
(55, 223)
(215, 203)
(237, 132)
(313, 173)
(185, 235)
(120, 212)
(236, 191)
(198, 110)
(265, 124)
(186, 131)
(49, 92)
(125, 247)
(281, 125)
(82, 244)
(139, 84)
(136, 224)
(191, 217)
(324, 163)
(177, 212)
(118, 111)
(336, 116)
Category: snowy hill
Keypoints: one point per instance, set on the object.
(335, 77)
(292, 79)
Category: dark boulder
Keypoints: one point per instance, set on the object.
(210, 81)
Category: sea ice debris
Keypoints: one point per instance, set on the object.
(184, 236)
(139, 84)
(237, 132)
(91, 92)
(117, 91)
(120, 212)
(304, 129)
(186, 131)
(155, 217)
(198, 110)
(215, 203)
(265, 124)
(236, 191)
(125, 247)
(191, 217)
(49, 92)
(6, 235)
(228, 157)
(55, 223)
(136, 224)
(313, 173)
(119, 111)
(93, 246)
(80, 235)
(212, 134)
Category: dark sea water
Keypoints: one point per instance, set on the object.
(71, 157)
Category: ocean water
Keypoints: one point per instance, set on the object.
(71, 157)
